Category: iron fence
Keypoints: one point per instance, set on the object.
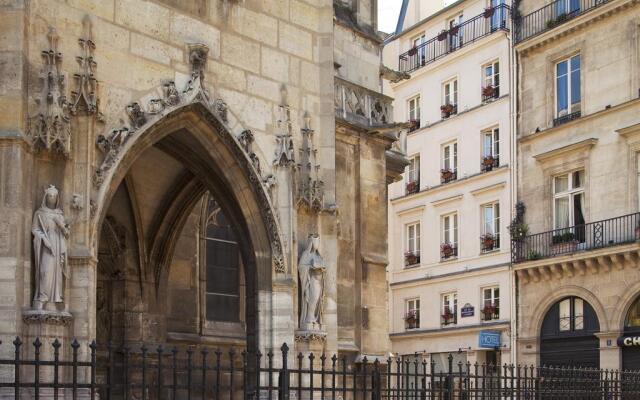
(143, 373)
(593, 235)
(553, 14)
(458, 36)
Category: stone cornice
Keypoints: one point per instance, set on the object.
(586, 144)
(440, 202)
(489, 188)
(434, 332)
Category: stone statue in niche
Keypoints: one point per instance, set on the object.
(311, 271)
(50, 233)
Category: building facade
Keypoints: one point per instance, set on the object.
(449, 252)
(209, 173)
(575, 232)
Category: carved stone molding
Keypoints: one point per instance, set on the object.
(284, 155)
(310, 187)
(62, 318)
(84, 99)
(310, 336)
(49, 128)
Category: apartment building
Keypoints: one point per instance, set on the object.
(449, 250)
(575, 234)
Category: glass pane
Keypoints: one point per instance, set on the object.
(575, 84)
(561, 219)
(578, 312)
(577, 179)
(561, 183)
(565, 315)
(562, 102)
(222, 308)
(487, 145)
(488, 219)
(633, 316)
(455, 228)
(578, 209)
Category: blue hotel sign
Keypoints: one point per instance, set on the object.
(489, 339)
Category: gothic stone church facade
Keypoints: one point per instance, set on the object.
(206, 172)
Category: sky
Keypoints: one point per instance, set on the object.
(388, 11)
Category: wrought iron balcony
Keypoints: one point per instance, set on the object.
(590, 236)
(492, 20)
(551, 16)
(566, 118)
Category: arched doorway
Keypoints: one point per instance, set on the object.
(567, 336)
(630, 341)
(154, 196)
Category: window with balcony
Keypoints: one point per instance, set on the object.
(413, 108)
(449, 99)
(564, 8)
(449, 309)
(412, 314)
(490, 303)
(490, 149)
(449, 237)
(456, 32)
(418, 51)
(571, 314)
(491, 84)
(412, 249)
(449, 171)
(490, 238)
(412, 178)
(567, 84)
(498, 15)
(568, 208)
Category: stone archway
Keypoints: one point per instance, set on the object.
(187, 130)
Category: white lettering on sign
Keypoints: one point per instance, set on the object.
(627, 341)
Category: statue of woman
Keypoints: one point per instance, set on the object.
(311, 270)
(50, 234)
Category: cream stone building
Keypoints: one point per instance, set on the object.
(218, 165)
(449, 250)
(575, 237)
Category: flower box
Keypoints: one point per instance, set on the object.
(488, 241)
(448, 317)
(454, 30)
(412, 319)
(488, 162)
(489, 312)
(413, 51)
(447, 175)
(442, 35)
(447, 250)
(488, 12)
(447, 110)
(411, 258)
(412, 187)
(488, 92)
(415, 124)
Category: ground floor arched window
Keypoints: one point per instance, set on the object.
(567, 337)
(631, 346)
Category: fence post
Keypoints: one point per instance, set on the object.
(376, 386)
(283, 376)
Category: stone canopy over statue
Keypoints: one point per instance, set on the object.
(311, 271)
(50, 233)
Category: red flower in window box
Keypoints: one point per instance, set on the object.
(447, 250)
(442, 35)
(412, 187)
(488, 91)
(488, 241)
(413, 51)
(411, 258)
(489, 311)
(488, 12)
(447, 110)
(446, 175)
(447, 315)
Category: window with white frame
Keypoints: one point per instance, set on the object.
(412, 313)
(491, 80)
(413, 170)
(571, 314)
(491, 303)
(450, 156)
(568, 203)
(412, 249)
(449, 308)
(450, 92)
(567, 85)
(418, 44)
(490, 148)
(413, 108)
(449, 234)
(490, 239)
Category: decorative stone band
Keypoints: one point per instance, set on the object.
(310, 336)
(46, 317)
(141, 115)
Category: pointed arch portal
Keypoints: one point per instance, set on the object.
(148, 233)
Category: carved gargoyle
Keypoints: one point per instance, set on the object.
(393, 75)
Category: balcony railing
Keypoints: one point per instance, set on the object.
(492, 20)
(489, 163)
(590, 236)
(552, 15)
(566, 118)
